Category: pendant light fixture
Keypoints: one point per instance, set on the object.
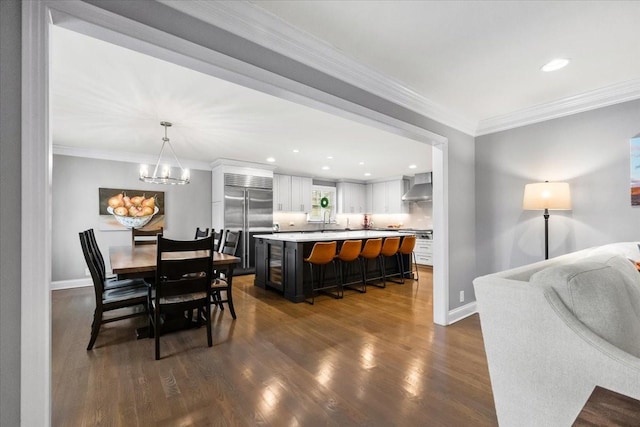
(162, 172)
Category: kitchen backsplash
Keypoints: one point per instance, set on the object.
(420, 217)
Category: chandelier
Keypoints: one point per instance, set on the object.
(162, 173)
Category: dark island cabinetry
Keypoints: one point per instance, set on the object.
(280, 259)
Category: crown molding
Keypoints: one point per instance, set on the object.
(253, 23)
(261, 27)
(609, 95)
(123, 156)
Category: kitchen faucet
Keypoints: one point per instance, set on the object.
(324, 218)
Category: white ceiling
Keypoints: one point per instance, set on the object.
(476, 61)
(480, 59)
(106, 98)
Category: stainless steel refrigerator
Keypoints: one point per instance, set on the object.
(248, 206)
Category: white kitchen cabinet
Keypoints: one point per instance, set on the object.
(351, 198)
(386, 197)
(424, 252)
(281, 192)
(368, 198)
(301, 194)
(291, 193)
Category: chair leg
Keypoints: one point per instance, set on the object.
(207, 316)
(156, 332)
(95, 328)
(415, 265)
(364, 284)
(230, 302)
(340, 289)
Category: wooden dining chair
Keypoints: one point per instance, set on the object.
(182, 283)
(118, 296)
(223, 280)
(145, 237)
(201, 233)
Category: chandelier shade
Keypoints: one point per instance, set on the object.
(162, 171)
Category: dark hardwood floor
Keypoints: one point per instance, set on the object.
(373, 359)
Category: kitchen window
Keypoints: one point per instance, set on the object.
(319, 213)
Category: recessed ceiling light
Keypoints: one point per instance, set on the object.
(412, 166)
(296, 151)
(367, 174)
(325, 168)
(330, 157)
(361, 163)
(555, 64)
(270, 159)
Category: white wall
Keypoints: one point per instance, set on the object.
(75, 208)
(590, 151)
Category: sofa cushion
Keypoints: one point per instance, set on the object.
(600, 296)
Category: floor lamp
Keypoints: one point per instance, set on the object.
(547, 196)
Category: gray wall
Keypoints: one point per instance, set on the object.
(590, 151)
(75, 208)
(10, 199)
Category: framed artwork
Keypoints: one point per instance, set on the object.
(635, 170)
(108, 222)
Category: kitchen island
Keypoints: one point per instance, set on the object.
(280, 259)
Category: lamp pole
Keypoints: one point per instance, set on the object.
(546, 233)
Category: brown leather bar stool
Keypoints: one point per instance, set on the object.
(406, 249)
(371, 250)
(322, 254)
(389, 249)
(349, 252)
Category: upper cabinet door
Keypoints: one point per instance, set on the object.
(351, 198)
(386, 197)
(301, 194)
(281, 192)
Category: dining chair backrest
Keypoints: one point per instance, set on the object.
(180, 275)
(217, 239)
(93, 246)
(93, 266)
(231, 242)
(145, 237)
(201, 233)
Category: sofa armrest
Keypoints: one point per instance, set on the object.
(543, 362)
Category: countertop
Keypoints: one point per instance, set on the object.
(328, 236)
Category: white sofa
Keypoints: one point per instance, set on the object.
(555, 329)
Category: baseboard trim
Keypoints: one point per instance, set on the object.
(70, 284)
(462, 312)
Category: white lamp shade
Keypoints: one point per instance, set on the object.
(547, 195)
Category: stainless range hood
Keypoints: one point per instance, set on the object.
(421, 190)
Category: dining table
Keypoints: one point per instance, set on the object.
(129, 262)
